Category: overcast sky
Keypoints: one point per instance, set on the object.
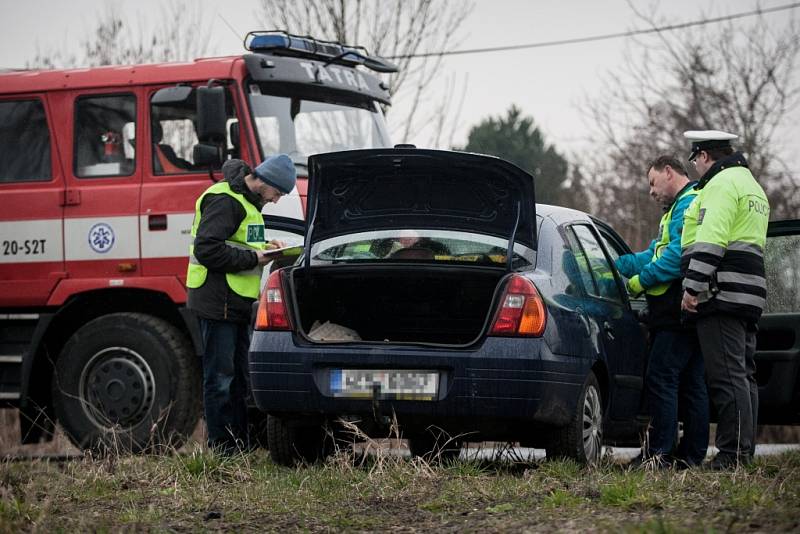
(546, 83)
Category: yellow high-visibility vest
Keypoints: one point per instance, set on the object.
(249, 236)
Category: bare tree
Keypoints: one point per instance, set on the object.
(737, 77)
(182, 33)
(395, 29)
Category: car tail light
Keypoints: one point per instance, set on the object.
(521, 312)
(272, 314)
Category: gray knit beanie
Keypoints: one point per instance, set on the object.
(277, 171)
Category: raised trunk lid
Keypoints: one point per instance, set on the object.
(397, 188)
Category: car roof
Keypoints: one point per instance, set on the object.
(560, 214)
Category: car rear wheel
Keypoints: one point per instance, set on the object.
(582, 439)
(291, 442)
(127, 382)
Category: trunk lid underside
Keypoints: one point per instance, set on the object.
(380, 189)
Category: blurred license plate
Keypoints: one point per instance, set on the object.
(394, 383)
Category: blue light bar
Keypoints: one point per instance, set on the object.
(279, 42)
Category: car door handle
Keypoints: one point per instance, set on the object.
(156, 223)
(608, 330)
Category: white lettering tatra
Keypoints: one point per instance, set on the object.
(351, 80)
(323, 75)
(309, 68)
(342, 76)
(337, 74)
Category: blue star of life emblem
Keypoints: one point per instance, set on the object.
(101, 237)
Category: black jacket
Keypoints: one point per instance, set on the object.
(664, 311)
(220, 217)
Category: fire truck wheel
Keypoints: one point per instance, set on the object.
(127, 382)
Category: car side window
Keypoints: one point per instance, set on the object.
(611, 248)
(25, 156)
(582, 263)
(600, 268)
(781, 260)
(105, 136)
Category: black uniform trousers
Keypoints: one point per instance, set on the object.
(728, 344)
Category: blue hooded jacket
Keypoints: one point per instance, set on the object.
(664, 309)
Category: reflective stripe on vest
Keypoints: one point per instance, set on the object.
(249, 236)
(666, 220)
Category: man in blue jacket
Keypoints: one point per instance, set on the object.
(675, 367)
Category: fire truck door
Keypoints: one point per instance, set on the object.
(101, 220)
(32, 196)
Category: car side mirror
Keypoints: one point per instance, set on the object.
(207, 155)
(211, 116)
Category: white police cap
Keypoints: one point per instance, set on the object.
(707, 140)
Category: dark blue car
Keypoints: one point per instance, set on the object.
(434, 292)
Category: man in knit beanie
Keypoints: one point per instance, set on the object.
(226, 256)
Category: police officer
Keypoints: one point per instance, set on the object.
(675, 364)
(226, 257)
(725, 230)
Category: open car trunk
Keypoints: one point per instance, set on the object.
(422, 304)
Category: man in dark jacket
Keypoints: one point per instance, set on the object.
(227, 254)
(675, 365)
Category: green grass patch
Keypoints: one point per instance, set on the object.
(560, 498)
(630, 489)
(201, 491)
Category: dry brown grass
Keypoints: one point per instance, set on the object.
(10, 439)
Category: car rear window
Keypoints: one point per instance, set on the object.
(418, 245)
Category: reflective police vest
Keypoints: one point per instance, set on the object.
(662, 244)
(723, 240)
(249, 236)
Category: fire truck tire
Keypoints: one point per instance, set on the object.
(127, 382)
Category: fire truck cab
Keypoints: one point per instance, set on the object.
(100, 169)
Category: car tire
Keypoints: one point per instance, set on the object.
(435, 449)
(257, 423)
(127, 382)
(292, 443)
(582, 439)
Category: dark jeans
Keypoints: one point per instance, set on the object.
(676, 385)
(729, 344)
(225, 383)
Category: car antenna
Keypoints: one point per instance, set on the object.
(510, 249)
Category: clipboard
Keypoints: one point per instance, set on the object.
(283, 252)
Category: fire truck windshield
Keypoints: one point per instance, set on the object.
(301, 128)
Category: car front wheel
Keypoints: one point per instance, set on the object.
(582, 439)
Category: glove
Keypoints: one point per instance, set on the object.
(634, 287)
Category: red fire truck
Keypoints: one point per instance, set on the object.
(99, 172)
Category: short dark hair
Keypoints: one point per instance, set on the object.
(662, 161)
(715, 154)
